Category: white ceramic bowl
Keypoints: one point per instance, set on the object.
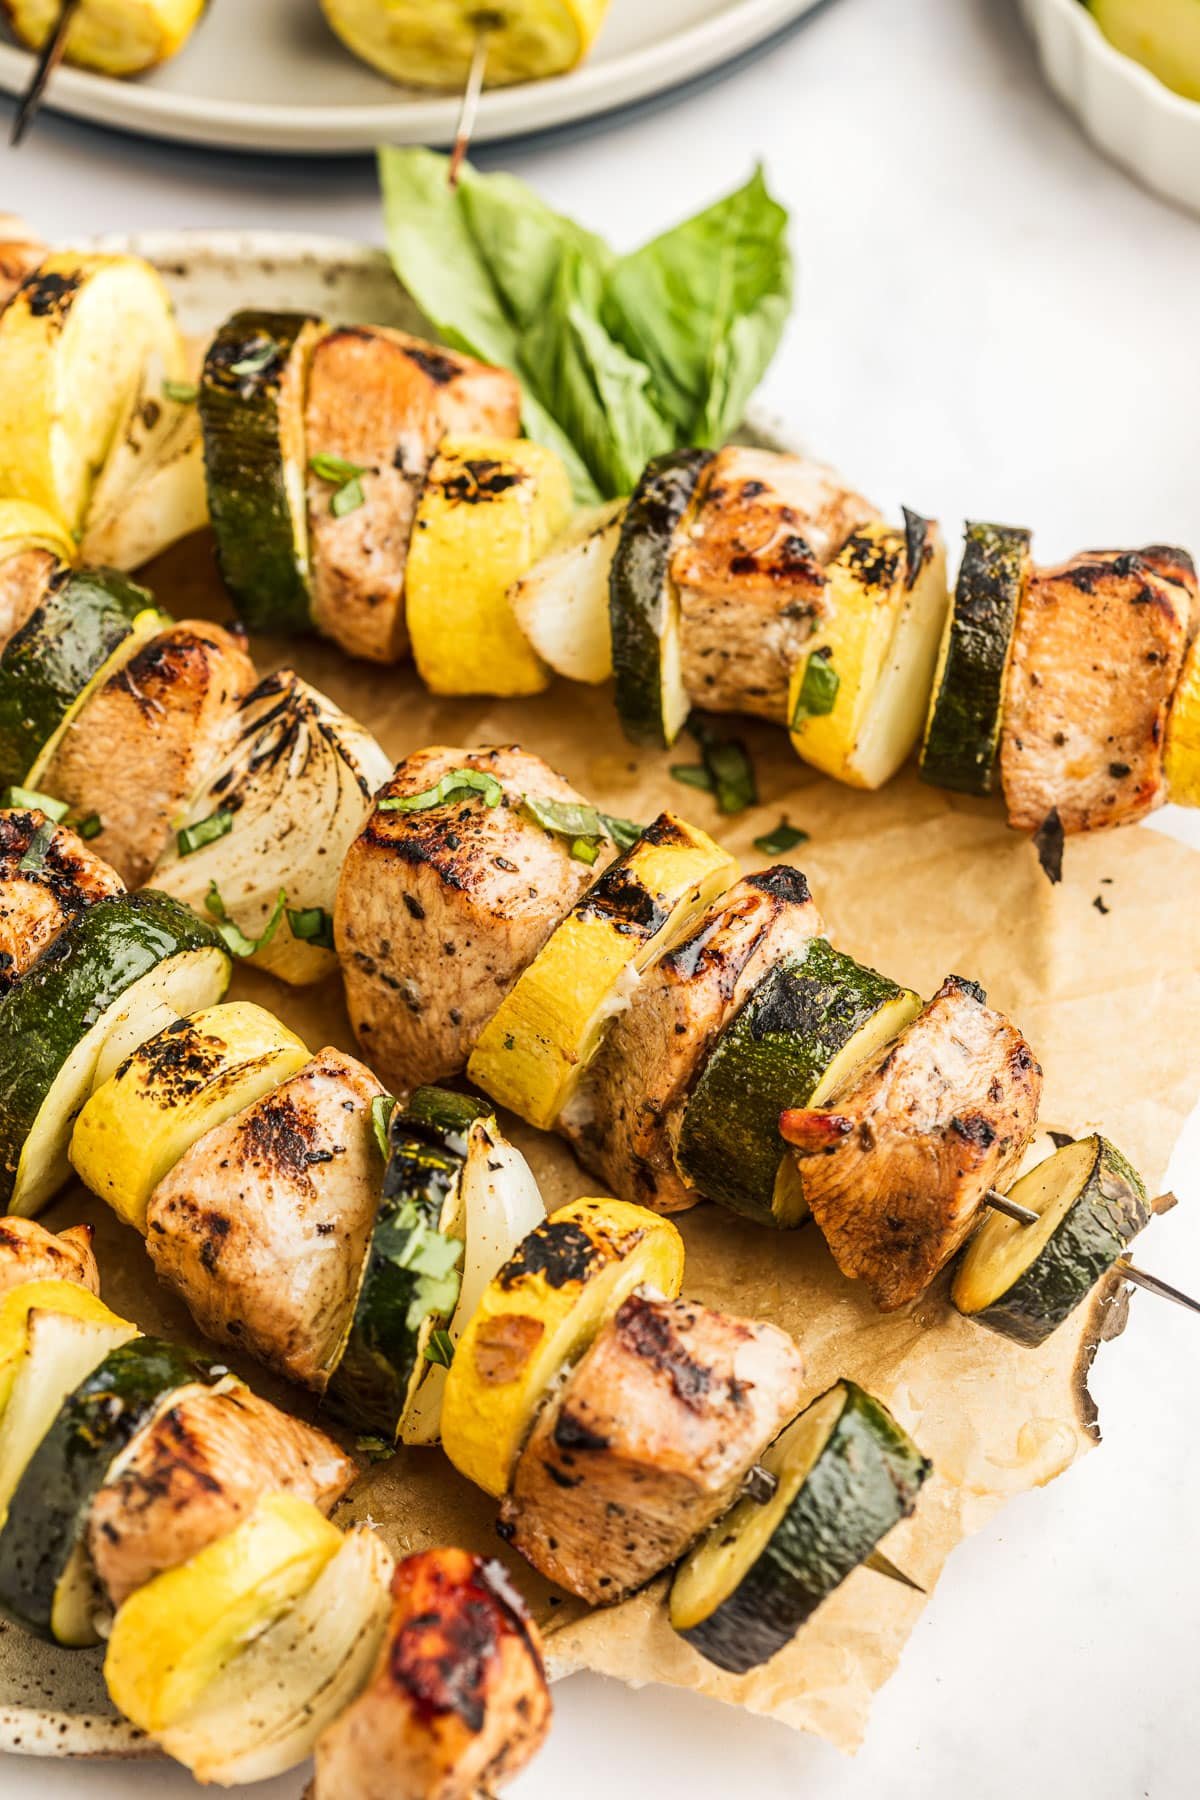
(1126, 110)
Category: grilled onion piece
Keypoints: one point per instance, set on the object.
(562, 603)
(141, 510)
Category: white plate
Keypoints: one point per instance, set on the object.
(1127, 111)
(290, 85)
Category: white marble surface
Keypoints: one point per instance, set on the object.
(991, 320)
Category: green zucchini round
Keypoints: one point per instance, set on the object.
(963, 729)
(251, 403)
(46, 1584)
(643, 605)
(90, 621)
(846, 1474)
(807, 1023)
(125, 953)
(1024, 1280)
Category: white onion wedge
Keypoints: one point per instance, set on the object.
(165, 500)
(561, 604)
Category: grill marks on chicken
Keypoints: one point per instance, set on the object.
(624, 1119)
(48, 876)
(457, 1703)
(138, 747)
(649, 1441)
(28, 1252)
(1097, 652)
(25, 580)
(896, 1166)
(382, 401)
(749, 569)
(262, 1226)
(195, 1472)
(440, 910)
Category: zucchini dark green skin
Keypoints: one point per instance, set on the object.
(964, 723)
(638, 589)
(49, 1510)
(864, 1482)
(1110, 1210)
(84, 619)
(248, 501)
(445, 1112)
(770, 1056)
(65, 992)
(399, 1299)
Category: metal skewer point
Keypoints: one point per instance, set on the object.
(48, 60)
(470, 99)
(1139, 1277)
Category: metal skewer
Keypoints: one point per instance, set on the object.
(1139, 1277)
(48, 60)
(470, 102)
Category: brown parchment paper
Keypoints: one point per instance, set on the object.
(917, 883)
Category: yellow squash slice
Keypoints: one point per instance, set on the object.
(488, 510)
(24, 526)
(74, 343)
(1182, 756)
(38, 1296)
(539, 1313)
(195, 1074)
(171, 1639)
(546, 1030)
(858, 694)
(430, 43)
(117, 37)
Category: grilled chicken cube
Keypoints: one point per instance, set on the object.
(749, 569)
(1097, 652)
(262, 1226)
(649, 1441)
(28, 1252)
(24, 583)
(380, 402)
(48, 876)
(457, 1704)
(624, 1117)
(195, 1472)
(135, 751)
(897, 1164)
(441, 908)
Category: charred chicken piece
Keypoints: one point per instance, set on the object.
(440, 909)
(749, 569)
(28, 1252)
(262, 1226)
(24, 582)
(1096, 655)
(140, 744)
(458, 1702)
(648, 1442)
(48, 876)
(896, 1166)
(624, 1118)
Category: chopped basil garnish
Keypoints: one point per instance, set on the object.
(231, 932)
(623, 832)
(312, 925)
(582, 825)
(39, 843)
(440, 1349)
(183, 392)
(90, 827)
(30, 798)
(818, 690)
(785, 837)
(692, 775)
(346, 476)
(256, 360)
(455, 784)
(410, 1241)
(375, 1449)
(204, 831)
(584, 850)
(348, 499)
(727, 765)
(382, 1108)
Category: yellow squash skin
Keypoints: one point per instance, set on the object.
(24, 526)
(172, 1636)
(1181, 761)
(542, 1310)
(117, 37)
(489, 508)
(545, 1031)
(430, 43)
(196, 1074)
(43, 1296)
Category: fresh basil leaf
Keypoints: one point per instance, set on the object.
(382, 1108)
(30, 799)
(185, 393)
(348, 498)
(692, 775)
(312, 925)
(204, 831)
(334, 468)
(623, 832)
(783, 838)
(565, 818)
(231, 932)
(522, 241)
(727, 765)
(818, 689)
(440, 1349)
(90, 827)
(39, 843)
(455, 784)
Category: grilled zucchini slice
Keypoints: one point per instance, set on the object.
(644, 613)
(116, 37)
(562, 603)
(1024, 1280)
(1181, 761)
(46, 1584)
(117, 964)
(809, 1022)
(963, 729)
(549, 1026)
(857, 699)
(87, 627)
(194, 1074)
(430, 43)
(846, 1474)
(488, 510)
(172, 1638)
(252, 392)
(539, 1313)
